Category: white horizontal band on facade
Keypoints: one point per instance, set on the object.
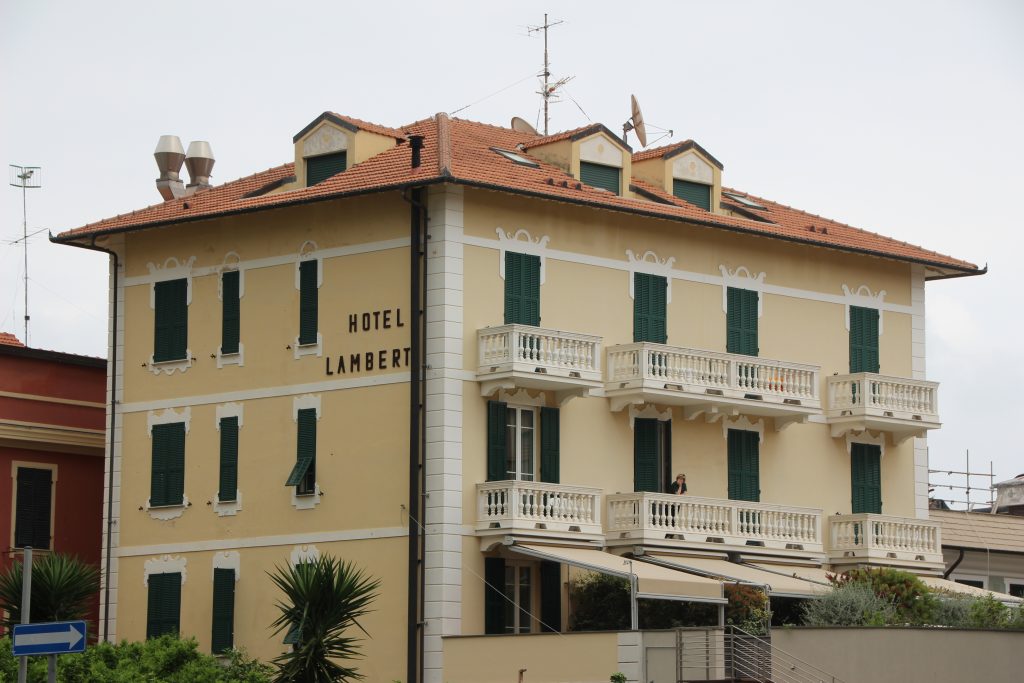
(266, 392)
(260, 541)
(271, 261)
(690, 276)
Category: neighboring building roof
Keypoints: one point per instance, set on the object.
(980, 531)
(8, 339)
(352, 124)
(458, 151)
(675, 149)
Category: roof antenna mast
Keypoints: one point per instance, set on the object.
(27, 178)
(549, 89)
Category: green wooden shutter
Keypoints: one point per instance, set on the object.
(744, 466)
(522, 289)
(695, 193)
(231, 315)
(866, 478)
(319, 169)
(308, 300)
(167, 483)
(863, 339)
(494, 595)
(223, 610)
(741, 321)
(550, 597)
(170, 335)
(549, 445)
(32, 508)
(645, 455)
(650, 299)
(303, 474)
(228, 459)
(497, 440)
(599, 175)
(163, 613)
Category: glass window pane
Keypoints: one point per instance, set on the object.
(526, 446)
(510, 439)
(524, 601)
(510, 591)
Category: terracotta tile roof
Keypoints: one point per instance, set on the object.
(556, 137)
(980, 530)
(669, 151)
(459, 151)
(8, 339)
(370, 127)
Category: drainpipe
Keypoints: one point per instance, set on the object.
(417, 425)
(112, 371)
(952, 567)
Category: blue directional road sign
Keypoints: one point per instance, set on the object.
(48, 638)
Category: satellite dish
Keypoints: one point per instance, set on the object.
(635, 122)
(522, 126)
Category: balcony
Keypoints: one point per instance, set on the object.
(712, 524)
(538, 509)
(521, 356)
(902, 407)
(711, 383)
(879, 539)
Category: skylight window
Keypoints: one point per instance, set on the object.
(744, 201)
(517, 158)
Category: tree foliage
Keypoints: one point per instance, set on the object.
(323, 599)
(161, 659)
(62, 586)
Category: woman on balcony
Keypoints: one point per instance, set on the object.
(679, 485)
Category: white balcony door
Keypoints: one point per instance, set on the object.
(521, 460)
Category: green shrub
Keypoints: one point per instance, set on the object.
(849, 604)
(953, 610)
(913, 601)
(987, 612)
(162, 659)
(747, 608)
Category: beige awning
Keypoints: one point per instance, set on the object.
(653, 582)
(777, 583)
(816, 575)
(954, 587)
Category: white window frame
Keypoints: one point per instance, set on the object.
(520, 612)
(515, 443)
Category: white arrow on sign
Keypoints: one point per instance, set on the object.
(70, 638)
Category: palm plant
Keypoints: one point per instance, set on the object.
(62, 587)
(323, 598)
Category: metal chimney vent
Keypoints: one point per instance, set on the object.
(199, 162)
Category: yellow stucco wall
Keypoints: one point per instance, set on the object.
(362, 434)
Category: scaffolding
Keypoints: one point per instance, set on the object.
(962, 488)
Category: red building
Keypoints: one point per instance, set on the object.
(52, 428)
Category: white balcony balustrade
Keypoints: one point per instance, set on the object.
(865, 400)
(521, 356)
(710, 381)
(880, 539)
(538, 509)
(711, 523)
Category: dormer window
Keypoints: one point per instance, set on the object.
(695, 193)
(599, 175)
(320, 168)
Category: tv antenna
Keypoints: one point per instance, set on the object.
(27, 178)
(549, 89)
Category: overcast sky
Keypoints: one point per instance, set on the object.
(902, 118)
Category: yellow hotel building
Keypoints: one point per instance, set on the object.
(473, 360)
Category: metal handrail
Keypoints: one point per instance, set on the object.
(737, 653)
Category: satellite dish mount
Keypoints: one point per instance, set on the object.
(635, 123)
